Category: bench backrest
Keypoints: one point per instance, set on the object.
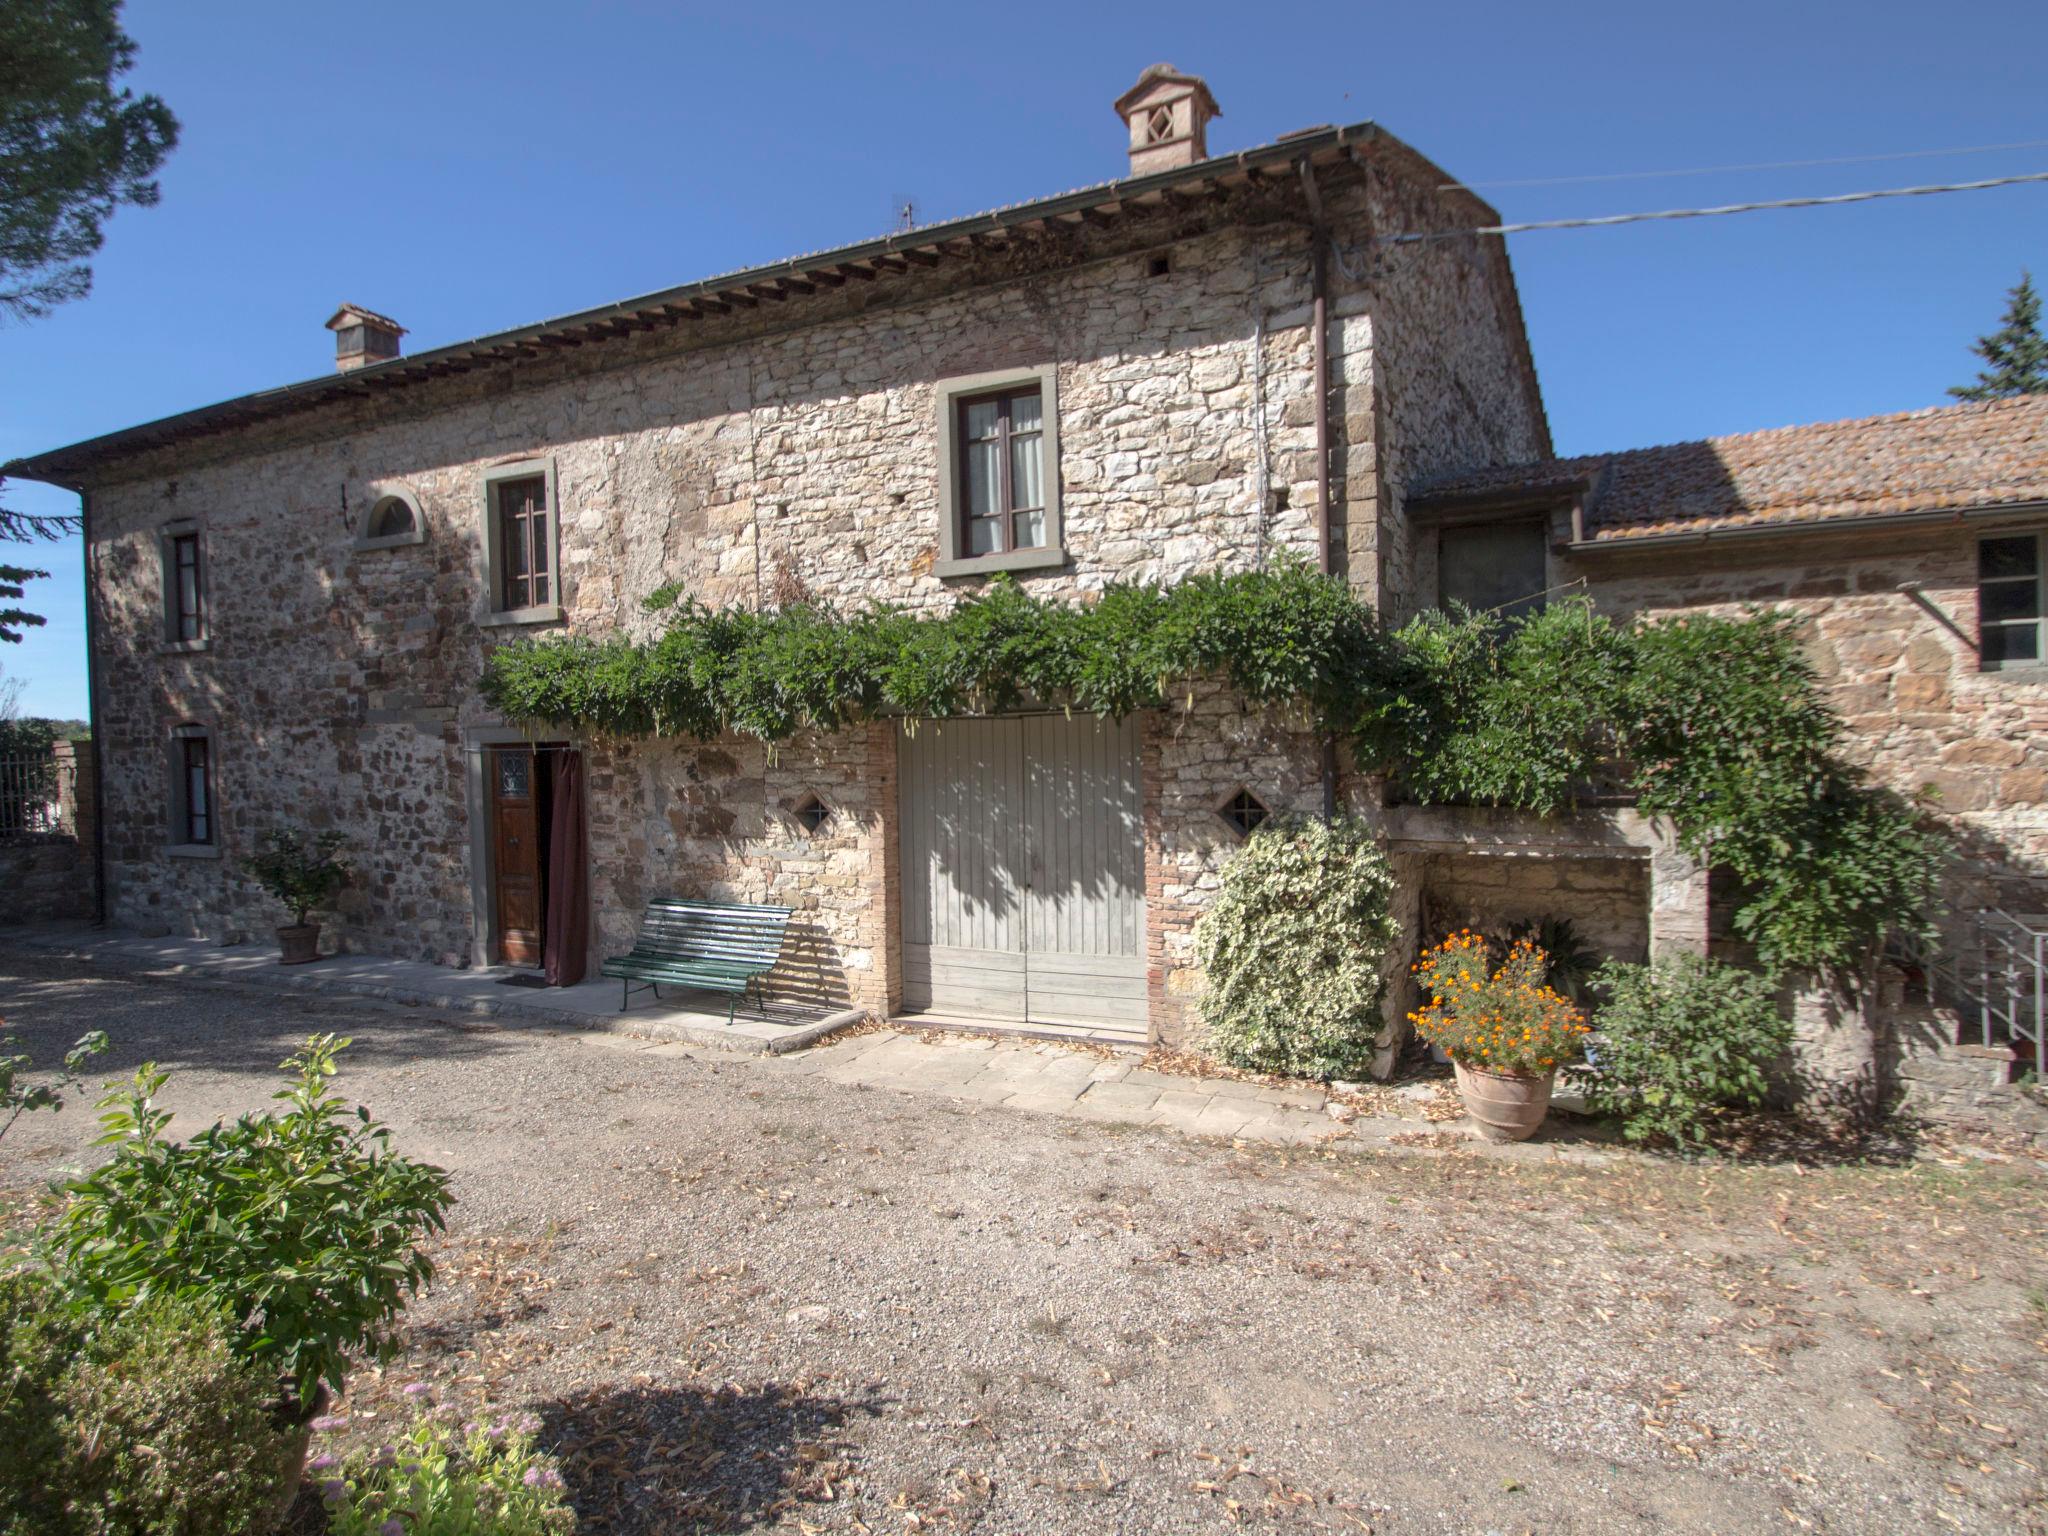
(703, 930)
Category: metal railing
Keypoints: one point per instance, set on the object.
(35, 788)
(1994, 974)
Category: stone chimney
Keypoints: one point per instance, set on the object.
(362, 336)
(1168, 114)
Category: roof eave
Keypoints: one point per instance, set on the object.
(1622, 542)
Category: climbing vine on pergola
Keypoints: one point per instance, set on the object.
(1718, 723)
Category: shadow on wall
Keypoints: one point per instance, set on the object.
(810, 973)
(657, 1459)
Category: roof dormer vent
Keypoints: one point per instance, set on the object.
(1168, 115)
(362, 336)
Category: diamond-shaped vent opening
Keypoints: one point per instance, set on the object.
(1245, 811)
(1159, 124)
(812, 813)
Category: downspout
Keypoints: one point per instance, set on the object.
(1319, 318)
(92, 716)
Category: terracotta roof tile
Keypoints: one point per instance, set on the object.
(1950, 457)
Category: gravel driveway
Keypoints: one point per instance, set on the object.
(744, 1298)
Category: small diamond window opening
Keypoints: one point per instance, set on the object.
(812, 813)
(1159, 126)
(1245, 812)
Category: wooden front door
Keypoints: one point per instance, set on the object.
(515, 855)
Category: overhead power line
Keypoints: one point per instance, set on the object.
(1421, 236)
(1759, 165)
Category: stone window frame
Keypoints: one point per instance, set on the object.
(168, 535)
(177, 807)
(382, 495)
(488, 611)
(2028, 668)
(949, 393)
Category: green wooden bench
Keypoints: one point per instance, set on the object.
(708, 945)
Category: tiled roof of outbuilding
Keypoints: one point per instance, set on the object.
(1988, 454)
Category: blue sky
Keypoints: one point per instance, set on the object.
(472, 166)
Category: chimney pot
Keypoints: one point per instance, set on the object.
(1168, 115)
(362, 336)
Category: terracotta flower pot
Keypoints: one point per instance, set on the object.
(297, 943)
(1506, 1106)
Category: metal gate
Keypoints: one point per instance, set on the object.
(1024, 873)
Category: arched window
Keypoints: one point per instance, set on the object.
(393, 519)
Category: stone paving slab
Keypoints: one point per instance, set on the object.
(479, 994)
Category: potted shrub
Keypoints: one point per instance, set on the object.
(302, 871)
(1505, 1030)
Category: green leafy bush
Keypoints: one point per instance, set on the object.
(300, 870)
(1293, 949)
(437, 1480)
(1680, 1041)
(302, 1227)
(148, 1424)
(17, 1098)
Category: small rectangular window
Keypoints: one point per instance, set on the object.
(1002, 472)
(1496, 568)
(186, 607)
(196, 792)
(523, 543)
(2009, 601)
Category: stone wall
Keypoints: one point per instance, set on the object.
(1890, 628)
(1607, 900)
(1196, 758)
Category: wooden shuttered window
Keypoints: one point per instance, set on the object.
(523, 548)
(186, 608)
(1001, 459)
(195, 800)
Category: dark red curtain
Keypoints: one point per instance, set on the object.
(568, 920)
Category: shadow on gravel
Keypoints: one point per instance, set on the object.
(181, 1023)
(660, 1459)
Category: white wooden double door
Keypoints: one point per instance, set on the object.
(1023, 873)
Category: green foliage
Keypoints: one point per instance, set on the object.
(1681, 1041)
(301, 871)
(302, 1226)
(2016, 353)
(1294, 947)
(14, 580)
(17, 1098)
(148, 1424)
(1515, 715)
(73, 147)
(436, 1480)
(29, 735)
(1717, 722)
(1726, 732)
(1570, 960)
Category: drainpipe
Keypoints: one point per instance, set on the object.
(1319, 318)
(92, 716)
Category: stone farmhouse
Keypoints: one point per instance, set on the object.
(1211, 363)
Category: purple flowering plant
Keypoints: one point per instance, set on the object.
(442, 1478)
